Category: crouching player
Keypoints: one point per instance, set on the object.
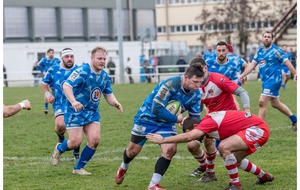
(241, 134)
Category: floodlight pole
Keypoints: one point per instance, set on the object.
(120, 39)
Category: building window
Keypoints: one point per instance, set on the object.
(253, 25)
(172, 28)
(178, 29)
(196, 27)
(15, 22)
(259, 24)
(161, 29)
(183, 28)
(45, 22)
(72, 22)
(98, 22)
(145, 20)
(190, 27)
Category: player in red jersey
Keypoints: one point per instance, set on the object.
(242, 133)
(216, 91)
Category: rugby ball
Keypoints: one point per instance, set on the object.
(174, 107)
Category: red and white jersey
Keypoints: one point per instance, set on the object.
(223, 124)
(217, 93)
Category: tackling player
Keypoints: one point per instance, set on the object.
(54, 79)
(217, 91)
(242, 133)
(153, 117)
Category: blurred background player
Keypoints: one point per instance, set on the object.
(153, 117)
(286, 73)
(54, 79)
(209, 53)
(270, 57)
(83, 90)
(111, 66)
(44, 64)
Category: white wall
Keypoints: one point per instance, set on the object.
(19, 57)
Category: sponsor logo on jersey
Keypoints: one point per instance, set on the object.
(163, 92)
(262, 63)
(95, 94)
(74, 76)
(254, 133)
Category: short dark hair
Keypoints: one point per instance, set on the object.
(194, 70)
(188, 123)
(198, 62)
(268, 32)
(222, 43)
(50, 49)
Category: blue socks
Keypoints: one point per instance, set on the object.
(293, 118)
(63, 147)
(86, 154)
(46, 106)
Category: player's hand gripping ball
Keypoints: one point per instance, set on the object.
(174, 107)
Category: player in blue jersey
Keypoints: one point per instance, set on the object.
(54, 79)
(44, 64)
(286, 73)
(241, 63)
(209, 53)
(83, 90)
(153, 117)
(222, 64)
(270, 57)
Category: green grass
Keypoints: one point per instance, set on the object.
(29, 140)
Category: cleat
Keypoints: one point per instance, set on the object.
(46, 111)
(56, 156)
(81, 171)
(207, 177)
(233, 187)
(156, 187)
(264, 179)
(294, 127)
(197, 172)
(119, 177)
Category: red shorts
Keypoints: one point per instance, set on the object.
(255, 137)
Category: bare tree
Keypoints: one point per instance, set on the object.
(238, 16)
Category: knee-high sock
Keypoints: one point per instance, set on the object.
(63, 147)
(161, 167)
(201, 159)
(86, 154)
(210, 160)
(248, 166)
(126, 161)
(232, 168)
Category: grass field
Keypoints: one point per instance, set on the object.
(29, 140)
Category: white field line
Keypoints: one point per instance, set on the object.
(108, 155)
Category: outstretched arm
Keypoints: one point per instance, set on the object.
(194, 134)
(13, 109)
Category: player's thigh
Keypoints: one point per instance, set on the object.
(59, 121)
(92, 131)
(75, 134)
(168, 150)
(193, 146)
(233, 143)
